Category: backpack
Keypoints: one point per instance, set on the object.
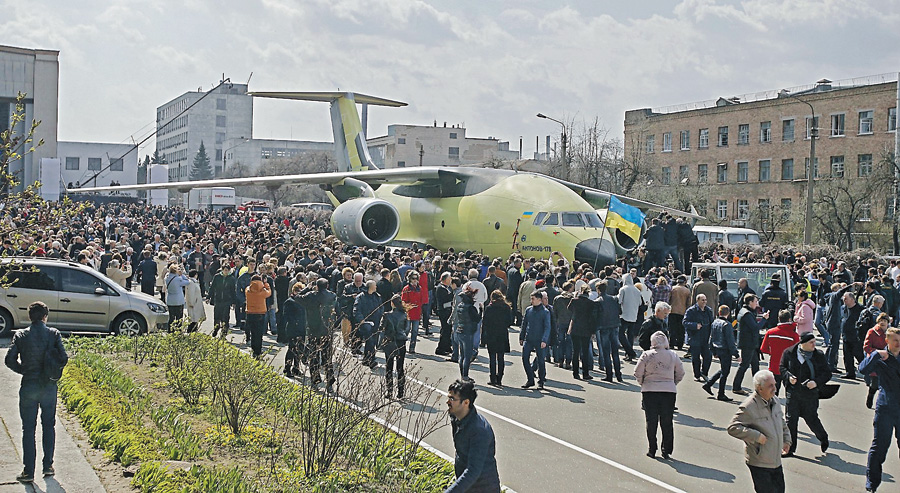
(865, 321)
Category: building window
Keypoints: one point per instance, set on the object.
(220, 137)
(743, 171)
(220, 104)
(95, 163)
(866, 122)
(785, 209)
(704, 138)
(837, 125)
(667, 142)
(892, 119)
(722, 209)
(401, 164)
(685, 140)
(743, 134)
(812, 124)
(401, 140)
(787, 130)
(815, 168)
(666, 175)
(702, 173)
(220, 120)
(865, 212)
(219, 154)
(765, 132)
(116, 165)
(452, 135)
(787, 169)
(865, 165)
(722, 173)
(743, 209)
(453, 152)
(682, 174)
(765, 170)
(837, 166)
(73, 163)
(651, 144)
(723, 136)
(763, 206)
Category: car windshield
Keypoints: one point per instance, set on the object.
(757, 277)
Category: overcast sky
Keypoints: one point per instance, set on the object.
(489, 64)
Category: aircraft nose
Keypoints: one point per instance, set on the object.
(596, 252)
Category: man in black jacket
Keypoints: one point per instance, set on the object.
(443, 294)
(319, 303)
(655, 242)
(773, 300)
(852, 344)
(514, 282)
(654, 324)
(37, 347)
(804, 371)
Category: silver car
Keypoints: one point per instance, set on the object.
(80, 299)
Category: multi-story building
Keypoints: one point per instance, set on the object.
(97, 164)
(35, 73)
(750, 153)
(416, 145)
(226, 113)
(246, 155)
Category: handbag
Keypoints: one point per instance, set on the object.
(828, 390)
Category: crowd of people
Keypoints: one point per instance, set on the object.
(290, 277)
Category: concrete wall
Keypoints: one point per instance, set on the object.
(104, 152)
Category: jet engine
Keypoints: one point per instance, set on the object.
(366, 222)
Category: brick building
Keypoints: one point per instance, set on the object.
(742, 155)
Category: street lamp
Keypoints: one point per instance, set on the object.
(565, 161)
(813, 134)
(225, 152)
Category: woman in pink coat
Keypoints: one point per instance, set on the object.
(805, 314)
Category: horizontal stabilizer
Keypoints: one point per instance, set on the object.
(328, 97)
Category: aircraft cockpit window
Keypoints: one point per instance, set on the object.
(593, 220)
(572, 219)
(552, 220)
(539, 218)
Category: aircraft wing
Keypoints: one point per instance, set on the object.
(372, 177)
(600, 200)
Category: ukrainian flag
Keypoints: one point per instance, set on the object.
(627, 219)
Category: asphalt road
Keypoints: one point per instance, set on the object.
(589, 436)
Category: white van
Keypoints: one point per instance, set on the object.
(708, 235)
(757, 276)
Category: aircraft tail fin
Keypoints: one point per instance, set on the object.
(349, 138)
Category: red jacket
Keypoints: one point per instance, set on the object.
(776, 341)
(875, 339)
(415, 297)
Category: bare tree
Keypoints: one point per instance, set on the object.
(840, 204)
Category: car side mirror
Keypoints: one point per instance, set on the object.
(100, 291)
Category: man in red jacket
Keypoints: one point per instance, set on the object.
(875, 340)
(776, 341)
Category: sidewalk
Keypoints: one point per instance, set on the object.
(73, 472)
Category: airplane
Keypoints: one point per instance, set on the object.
(495, 212)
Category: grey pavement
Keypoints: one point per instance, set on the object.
(589, 436)
(73, 472)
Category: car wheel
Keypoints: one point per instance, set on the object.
(129, 324)
(6, 323)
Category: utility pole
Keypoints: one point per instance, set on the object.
(810, 170)
(565, 158)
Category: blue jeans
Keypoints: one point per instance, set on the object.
(608, 340)
(673, 251)
(562, 352)
(887, 423)
(271, 320)
(454, 344)
(413, 334)
(820, 324)
(476, 341)
(31, 397)
(465, 348)
(527, 349)
(831, 354)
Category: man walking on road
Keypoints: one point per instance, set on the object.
(760, 423)
(884, 363)
(804, 371)
(475, 463)
(37, 353)
(533, 338)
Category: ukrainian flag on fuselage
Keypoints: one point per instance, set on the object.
(627, 219)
